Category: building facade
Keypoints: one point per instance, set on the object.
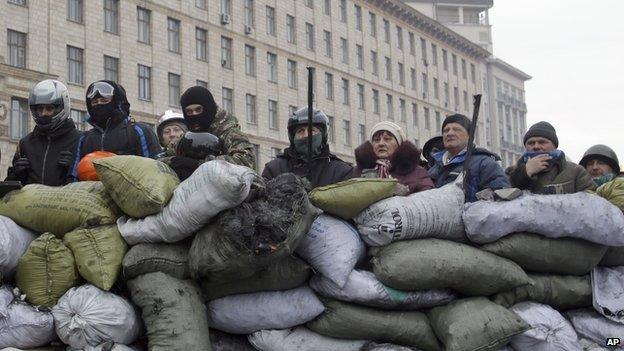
(374, 60)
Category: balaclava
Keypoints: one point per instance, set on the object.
(202, 96)
(117, 109)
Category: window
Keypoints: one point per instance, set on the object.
(329, 86)
(79, 119)
(413, 78)
(359, 56)
(111, 16)
(273, 120)
(174, 89)
(173, 34)
(415, 115)
(292, 74)
(445, 60)
(343, 10)
(272, 67)
(434, 54)
(226, 52)
(344, 47)
(375, 101)
(310, 36)
(201, 44)
(403, 110)
(143, 25)
(372, 18)
(374, 63)
(438, 120)
(18, 2)
(201, 83)
(465, 101)
(463, 67)
(250, 110)
(346, 129)
(345, 92)
(19, 118)
(250, 60)
(472, 73)
(427, 119)
(360, 94)
(274, 152)
(256, 157)
(309, 3)
(401, 75)
(386, 31)
(145, 83)
(249, 13)
(454, 59)
(412, 43)
(456, 97)
(74, 65)
(389, 106)
(425, 85)
(291, 110)
(361, 133)
(358, 17)
(399, 37)
(270, 21)
(200, 3)
(423, 49)
(328, 43)
(16, 48)
(111, 68)
(227, 99)
(74, 10)
(291, 35)
(226, 7)
(436, 89)
(388, 69)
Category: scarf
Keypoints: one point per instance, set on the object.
(383, 168)
(553, 154)
(603, 179)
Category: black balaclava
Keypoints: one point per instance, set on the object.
(202, 96)
(117, 109)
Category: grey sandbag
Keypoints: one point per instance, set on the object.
(364, 288)
(301, 339)
(537, 253)
(559, 291)
(475, 323)
(595, 327)
(373, 346)
(608, 292)
(613, 257)
(438, 264)
(580, 215)
(14, 240)
(550, 331)
(348, 321)
(171, 259)
(221, 341)
(285, 274)
(173, 312)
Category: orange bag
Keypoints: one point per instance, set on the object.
(86, 169)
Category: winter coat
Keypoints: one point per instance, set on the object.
(235, 146)
(483, 169)
(42, 150)
(326, 169)
(563, 177)
(613, 191)
(404, 166)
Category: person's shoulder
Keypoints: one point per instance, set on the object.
(482, 153)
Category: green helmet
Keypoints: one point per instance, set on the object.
(603, 153)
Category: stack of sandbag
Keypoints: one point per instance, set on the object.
(14, 240)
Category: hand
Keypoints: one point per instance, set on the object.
(21, 166)
(65, 159)
(401, 190)
(257, 189)
(537, 164)
(184, 166)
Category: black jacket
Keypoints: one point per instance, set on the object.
(42, 151)
(326, 169)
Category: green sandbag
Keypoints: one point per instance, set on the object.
(350, 197)
(285, 274)
(613, 257)
(562, 292)
(475, 323)
(46, 271)
(140, 186)
(98, 253)
(171, 259)
(174, 314)
(537, 253)
(60, 210)
(348, 321)
(435, 264)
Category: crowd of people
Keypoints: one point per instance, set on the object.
(51, 152)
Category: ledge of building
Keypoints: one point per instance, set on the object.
(508, 68)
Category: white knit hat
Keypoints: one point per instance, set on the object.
(391, 128)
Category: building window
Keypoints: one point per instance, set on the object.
(226, 52)
(143, 25)
(79, 119)
(345, 92)
(200, 3)
(291, 110)
(74, 10)
(249, 13)
(346, 129)
(372, 19)
(463, 67)
(386, 30)
(16, 48)
(256, 157)
(250, 60)
(226, 7)
(329, 86)
(173, 35)
(434, 54)
(291, 33)
(401, 74)
(456, 97)
(270, 21)
(415, 115)
(272, 67)
(389, 106)
(273, 120)
(438, 120)
(18, 2)
(145, 83)
(344, 47)
(343, 10)
(465, 101)
(19, 118)
(327, 7)
(444, 60)
(472, 73)
(376, 101)
(358, 17)
(388, 69)
(74, 65)
(201, 83)
(328, 43)
(454, 61)
(174, 89)
(274, 152)
(436, 89)
(425, 85)
(201, 44)
(413, 78)
(250, 110)
(402, 110)
(360, 93)
(309, 3)
(423, 50)
(331, 131)
(399, 32)
(359, 56)
(310, 36)
(111, 16)
(292, 74)
(111, 68)
(227, 99)
(361, 133)
(412, 43)
(427, 119)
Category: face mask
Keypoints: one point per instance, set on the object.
(101, 113)
(200, 122)
(603, 179)
(301, 145)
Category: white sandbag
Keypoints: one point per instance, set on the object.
(434, 213)
(608, 292)
(248, 313)
(364, 288)
(213, 187)
(21, 324)
(332, 247)
(300, 339)
(589, 345)
(87, 316)
(107, 346)
(14, 241)
(580, 215)
(550, 331)
(595, 327)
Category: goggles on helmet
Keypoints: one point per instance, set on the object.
(103, 89)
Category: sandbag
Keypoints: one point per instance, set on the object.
(608, 292)
(46, 271)
(595, 327)
(579, 215)
(98, 253)
(550, 331)
(347, 321)
(559, 291)
(88, 316)
(248, 313)
(537, 253)
(108, 346)
(333, 247)
(23, 325)
(434, 213)
(437, 264)
(14, 240)
(213, 187)
(301, 339)
(475, 323)
(613, 257)
(373, 346)
(589, 345)
(60, 210)
(173, 312)
(220, 341)
(348, 198)
(171, 259)
(140, 186)
(284, 274)
(363, 288)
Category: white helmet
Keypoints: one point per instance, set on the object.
(172, 115)
(50, 92)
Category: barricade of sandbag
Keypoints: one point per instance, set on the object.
(608, 292)
(14, 241)
(613, 257)
(220, 341)
(171, 259)
(595, 327)
(301, 339)
(550, 331)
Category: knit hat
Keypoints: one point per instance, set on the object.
(391, 128)
(459, 119)
(542, 129)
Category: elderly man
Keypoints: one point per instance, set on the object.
(603, 166)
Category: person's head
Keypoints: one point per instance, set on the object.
(455, 133)
(199, 108)
(106, 99)
(386, 137)
(298, 131)
(49, 104)
(600, 160)
(431, 147)
(171, 126)
(541, 137)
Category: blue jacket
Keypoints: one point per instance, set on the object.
(485, 172)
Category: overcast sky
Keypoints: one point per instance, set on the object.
(575, 52)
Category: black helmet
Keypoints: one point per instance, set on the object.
(432, 146)
(300, 118)
(198, 145)
(603, 153)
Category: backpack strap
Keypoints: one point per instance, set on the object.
(142, 140)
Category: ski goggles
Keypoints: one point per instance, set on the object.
(103, 89)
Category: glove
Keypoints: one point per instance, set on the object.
(198, 145)
(65, 159)
(401, 190)
(21, 166)
(184, 166)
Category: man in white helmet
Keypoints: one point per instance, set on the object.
(171, 127)
(46, 155)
